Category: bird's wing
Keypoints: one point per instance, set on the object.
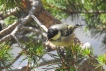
(63, 28)
(67, 31)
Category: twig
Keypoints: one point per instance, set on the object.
(36, 4)
(9, 29)
(52, 61)
(9, 13)
(13, 60)
(34, 30)
(7, 37)
(38, 22)
(17, 41)
(6, 31)
(16, 58)
(13, 35)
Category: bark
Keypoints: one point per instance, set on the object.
(42, 14)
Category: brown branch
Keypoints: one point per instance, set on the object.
(7, 37)
(52, 61)
(11, 27)
(21, 22)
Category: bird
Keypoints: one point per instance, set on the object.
(62, 34)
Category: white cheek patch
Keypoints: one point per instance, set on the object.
(57, 36)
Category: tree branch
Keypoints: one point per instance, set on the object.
(34, 30)
(7, 37)
(38, 22)
(52, 61)
(11, 27)
(8, 13)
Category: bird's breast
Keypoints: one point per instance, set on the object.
(64, 41)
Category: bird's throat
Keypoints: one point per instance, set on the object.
(56, 36)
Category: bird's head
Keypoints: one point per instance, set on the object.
(72, 28)
(53, 34)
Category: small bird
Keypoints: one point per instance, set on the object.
(61, 34)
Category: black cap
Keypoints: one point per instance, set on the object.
(51, 33)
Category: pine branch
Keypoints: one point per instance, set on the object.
(76, 12)
(16, 58)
